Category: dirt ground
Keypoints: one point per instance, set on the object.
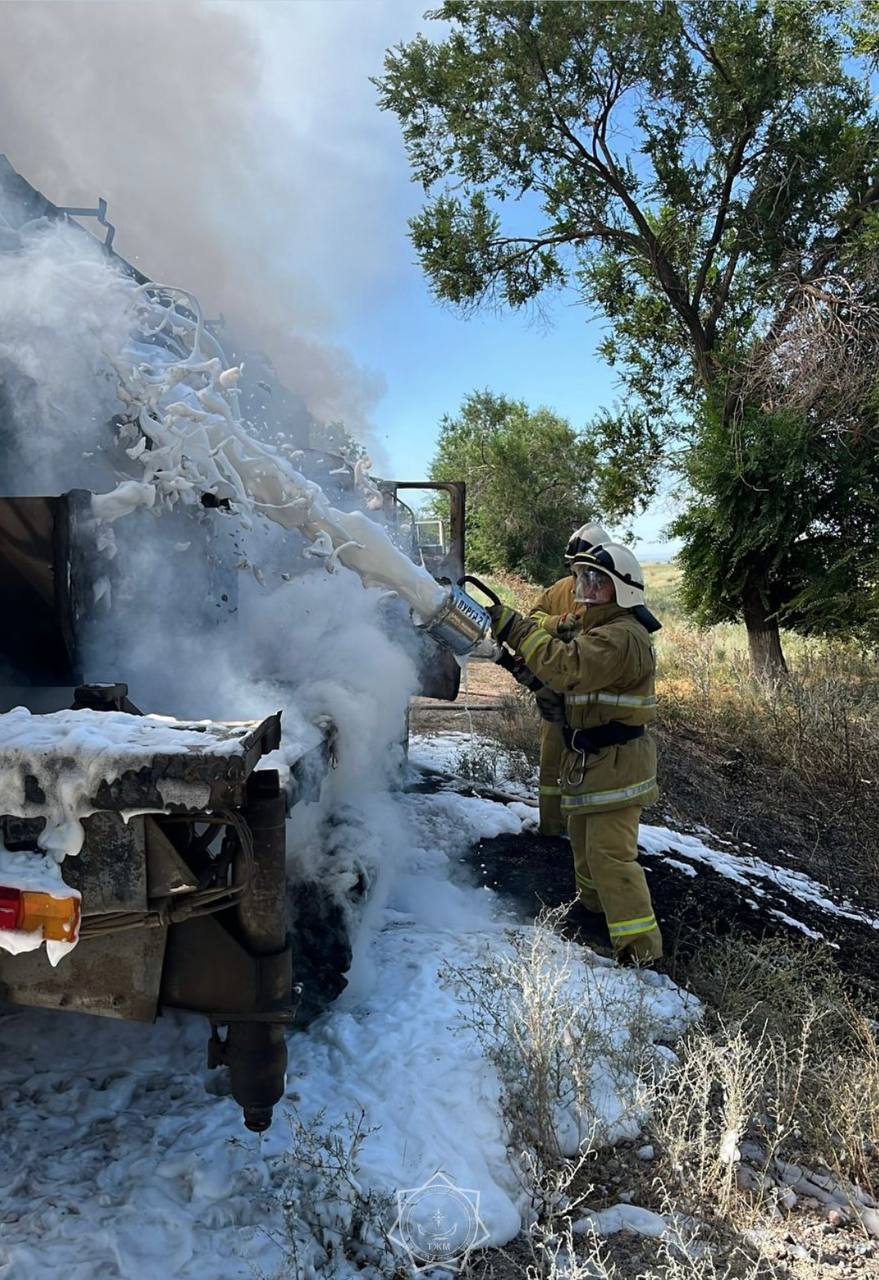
(483, 684)
(707, 783)
(704, 785)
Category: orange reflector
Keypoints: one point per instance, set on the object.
(57, 917)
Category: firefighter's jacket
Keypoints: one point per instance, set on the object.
(551, 603)
(605, 673)
(555, 600)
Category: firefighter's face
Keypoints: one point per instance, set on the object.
(591, 585)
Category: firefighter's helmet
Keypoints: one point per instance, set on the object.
(588, 535)
(622, 568)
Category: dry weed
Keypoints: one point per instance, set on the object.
(679, 1255)
(331, 1221)
(728, 1090)
(784, 1075)
(547, 1034)
(819, 725)
(518, 726)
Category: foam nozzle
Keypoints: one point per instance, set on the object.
(462, 625)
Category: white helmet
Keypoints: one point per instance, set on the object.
(582, 539)
(621, 567)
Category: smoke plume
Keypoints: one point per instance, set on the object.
(168, 111)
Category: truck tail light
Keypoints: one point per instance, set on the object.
(10, 908)
(27, 910)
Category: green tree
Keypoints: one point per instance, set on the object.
(824, 534)
(689, 169)
(528, 477)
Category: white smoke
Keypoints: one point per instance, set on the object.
(61, 312)
(203, 613)
(170, 111)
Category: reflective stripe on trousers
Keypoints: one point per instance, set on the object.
(628, 928)
(589, 800)
(605, 848)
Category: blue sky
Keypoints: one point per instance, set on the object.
(428, 355)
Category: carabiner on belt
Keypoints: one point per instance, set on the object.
(576, 779)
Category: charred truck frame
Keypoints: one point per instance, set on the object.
(182, 875)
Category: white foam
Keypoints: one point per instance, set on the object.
(185, 407)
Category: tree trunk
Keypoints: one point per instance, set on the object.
(764, 640)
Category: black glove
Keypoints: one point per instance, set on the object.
(551, 705)
(518, 669)
(568, 626)
(502, 618)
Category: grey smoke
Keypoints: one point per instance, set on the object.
(163, 110)
(171, 111)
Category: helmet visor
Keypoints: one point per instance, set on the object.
(589, 583)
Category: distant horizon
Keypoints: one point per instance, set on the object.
(656, 552)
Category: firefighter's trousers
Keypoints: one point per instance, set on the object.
(552, 744)
(609, 879)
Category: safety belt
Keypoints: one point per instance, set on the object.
(587, 742)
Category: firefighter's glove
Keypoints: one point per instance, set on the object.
(502, 618)
(564, 626)
(518, 670)
(551, 705)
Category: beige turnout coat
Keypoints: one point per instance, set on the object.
(605, 673)
(551, 603)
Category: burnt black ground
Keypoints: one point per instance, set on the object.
(530, 871)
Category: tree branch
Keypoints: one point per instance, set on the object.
(733, 169)
(708, 52)
(608, 171)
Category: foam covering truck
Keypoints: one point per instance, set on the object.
(179, 896)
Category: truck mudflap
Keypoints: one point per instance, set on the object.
(237, 966)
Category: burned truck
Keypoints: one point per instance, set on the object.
(179, 897)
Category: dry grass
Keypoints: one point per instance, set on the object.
(518, 725)
(782, 1074)
(821, 719)
(815, 733)
(821, 723)
(679, 1256)
(542, 1028)
(517, 592)
(328, 1220)
(512, 751)
(569, 1256)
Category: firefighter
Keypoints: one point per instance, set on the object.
(555, 601)
(604, 678)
